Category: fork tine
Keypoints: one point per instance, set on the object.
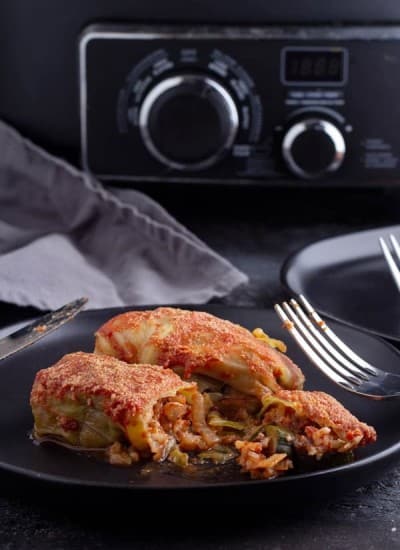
(394, 270)
(336, 340)
(354, 378)
(308, 350)
(351, 367)
(395, 244)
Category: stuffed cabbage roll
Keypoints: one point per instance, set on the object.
(147, 412)
(198, 342)
(91, 401)
(302, 425)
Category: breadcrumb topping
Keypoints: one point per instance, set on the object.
(125, 389)
(324, 410)
(198, 341)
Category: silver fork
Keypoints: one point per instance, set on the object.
(332, 356)
(394, 270)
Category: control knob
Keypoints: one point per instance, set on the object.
(188, 121)
(313, 147)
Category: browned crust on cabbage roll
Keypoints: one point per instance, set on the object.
(126, 391)
(324, 410)
(202, 343)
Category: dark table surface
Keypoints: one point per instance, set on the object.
(256, 229)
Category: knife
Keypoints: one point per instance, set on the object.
(42, 326)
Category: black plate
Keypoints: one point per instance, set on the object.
(346, 278)
(55, 464)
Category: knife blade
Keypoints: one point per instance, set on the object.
(39, 328)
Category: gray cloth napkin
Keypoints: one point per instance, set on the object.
(63, 235)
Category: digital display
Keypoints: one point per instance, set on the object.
(314, 66)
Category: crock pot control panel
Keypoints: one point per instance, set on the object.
(241, 105)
